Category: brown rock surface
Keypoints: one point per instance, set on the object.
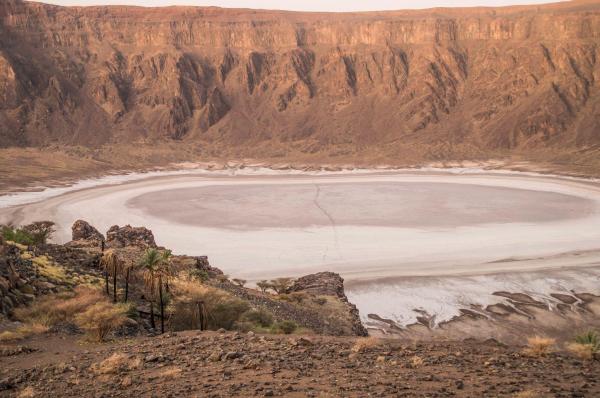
(82, 230)
(129, 236)
(321, 284)
(236, 365)
(412, 85)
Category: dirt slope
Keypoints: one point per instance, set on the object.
(225, 365)
(410, 85)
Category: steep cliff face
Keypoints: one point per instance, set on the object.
(434, 84)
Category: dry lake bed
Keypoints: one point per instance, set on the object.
(433, 241)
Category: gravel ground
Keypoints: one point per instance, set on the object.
(212, 364)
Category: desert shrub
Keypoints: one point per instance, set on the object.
(586, 345)
(582, 351)
(27, 392)
(199, 275)
(86, 307)
(589, 338)
(298, 297)
(222, 310)
(171, 373)
(365, 343)
(281, 285)
(116, 363)
(100, 319)
(59, 308)
(416, 361)
(245, 326)
(226, 313)
(263, 286)
(84, 298)
(286, 327)
(539, 346)
(16, 235)
(22, 332)
(284, 297)
(260, 317)
(40, 231)
(239, 282)
(36, 233)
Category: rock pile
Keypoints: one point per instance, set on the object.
(117, 237)
(82, 230)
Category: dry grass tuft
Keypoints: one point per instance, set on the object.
(117, 362)
(23, 332)
(539, 346)
(51, 310)
(170, 373)
(365, 343)
(27, 392)
(87, 307)
(100, 319)
(416, 361)
(582, 351)
(11, 335)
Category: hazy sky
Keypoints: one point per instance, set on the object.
(308, 5)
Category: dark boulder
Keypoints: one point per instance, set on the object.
(82, 230)
(118, 237)
(202, 264)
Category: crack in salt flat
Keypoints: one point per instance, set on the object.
(331, 221)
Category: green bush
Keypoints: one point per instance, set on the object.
(199, 274)
(264, 286)
(244, 326)
(17, 235)
(287, 327)
(225, 314)
(281, 285)
(258, 317)
(298, 297)
(32, 234)
(221, 309)
(590, 338)
(40, 231)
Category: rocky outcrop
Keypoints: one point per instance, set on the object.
(415, 85)
(320, 284)
(202, 264)
(19, 280)
(82, 230)
(329, 284)
(118, 237)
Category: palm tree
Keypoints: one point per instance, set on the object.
(156, 267)
(112, 266)
(128, 269)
